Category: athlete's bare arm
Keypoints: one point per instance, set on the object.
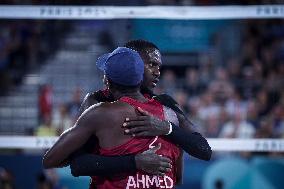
(87, 125)
(193, 143)
(72, 139)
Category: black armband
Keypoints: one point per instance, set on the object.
(97, 165)
(192, 143)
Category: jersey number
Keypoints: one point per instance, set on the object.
(152, 143)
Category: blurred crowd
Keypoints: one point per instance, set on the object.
(54, 119)
(24, 45)
(243, 98)
(45, 179)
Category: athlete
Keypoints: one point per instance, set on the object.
(124, 70)
(87, 164)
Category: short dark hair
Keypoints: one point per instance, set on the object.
(123, 88)
(140, 45)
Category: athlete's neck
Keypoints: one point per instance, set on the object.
(148, 91)
(135, 95)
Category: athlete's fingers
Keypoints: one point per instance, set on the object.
(143, 112)
(156, 148)
(153, 150)
(143, 134)
(135, 130)
(161, 174)
(135, 123)
(146, 133)
(164, 169)
(161, 171)
(166, 162)
(136, 118)
(166, 165)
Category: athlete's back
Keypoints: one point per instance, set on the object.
(112, 142)
(108, 130)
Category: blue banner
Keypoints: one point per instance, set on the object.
(178, 36)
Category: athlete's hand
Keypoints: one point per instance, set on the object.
(145, 124)
(152, 163)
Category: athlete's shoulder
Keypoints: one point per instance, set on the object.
(168, 101)
(96, 109)
(165, 98)
(102, 106)
(99, 95)
(93, 117)
(94, 98)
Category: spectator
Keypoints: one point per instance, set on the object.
(43, 182)
(61, 119)
(262, 101)
(74, 105)
(252, 113)
(278, 120)
(194, 105)
(6, 179)
(235, 104)
(221, 87)
(48, 179)
(192, 85)
(265, 129)
(46, 128)
(182, 99)
(206, 70)
(238, 127)
(169, 82)
(212, 126)
(234, 72)
(45, 102)
(208, 107)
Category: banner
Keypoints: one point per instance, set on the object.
(149, 12)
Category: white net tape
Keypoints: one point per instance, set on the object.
(272, 145)
(153, 12)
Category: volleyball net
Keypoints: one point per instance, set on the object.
(217, 144)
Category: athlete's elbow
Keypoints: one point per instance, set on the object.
(202, 149)
(205, 151)
(208, 154)
(201, 154)
(74, 169)
(74, 173)
(47, 162)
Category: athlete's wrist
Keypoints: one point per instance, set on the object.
(137, 160)
(170, 128)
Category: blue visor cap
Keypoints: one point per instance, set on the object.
(123, 66)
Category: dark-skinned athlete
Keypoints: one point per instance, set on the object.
(192, 142)
(124, 70)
